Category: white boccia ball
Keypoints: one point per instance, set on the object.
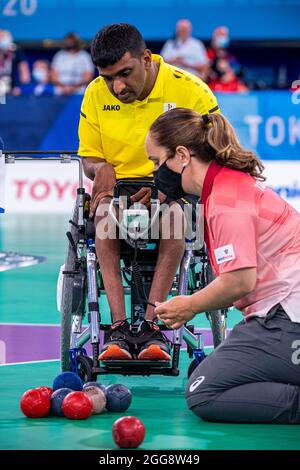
(98, 398)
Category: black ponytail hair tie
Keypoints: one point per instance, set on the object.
(205, 119)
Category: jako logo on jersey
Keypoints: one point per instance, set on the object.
(197, 383)
(111, 107)
(169, 106)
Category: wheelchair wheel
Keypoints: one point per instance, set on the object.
(193, 365)
(85, 364)
(215, 317)
(67, 297)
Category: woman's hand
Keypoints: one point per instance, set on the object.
(175, 312)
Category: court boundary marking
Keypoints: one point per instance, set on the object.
(29, 324)
(28, 362)
(209, 346)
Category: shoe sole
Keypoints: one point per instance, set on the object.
(154, 353)
(114, 352)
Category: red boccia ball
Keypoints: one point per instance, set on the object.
(77, 405)
(35, 403)
(46, 390)
(128, 432)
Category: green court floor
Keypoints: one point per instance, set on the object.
(28, 296)
(157, 401)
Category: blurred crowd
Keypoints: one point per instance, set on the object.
(216, 65)
(71, 68)
(69, 72)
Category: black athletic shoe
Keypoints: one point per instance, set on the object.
(156, 346)
(116, 345)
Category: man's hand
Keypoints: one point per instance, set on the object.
(175, 312)
(162, 197)
(104, 182)
(144, 195)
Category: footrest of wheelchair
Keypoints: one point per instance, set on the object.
(135, 363)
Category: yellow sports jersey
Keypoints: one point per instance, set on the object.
(116, 132)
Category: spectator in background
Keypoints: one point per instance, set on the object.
(225, 80)
(185, 51)
(40, 85)
(72, 68)
(14, 69)
(219, 50)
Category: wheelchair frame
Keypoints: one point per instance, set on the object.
(80, 274)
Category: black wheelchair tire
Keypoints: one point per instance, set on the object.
(85, 365)
(193, 365)
(67, 291)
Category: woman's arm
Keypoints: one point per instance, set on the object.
(224, 290)
(220, 293)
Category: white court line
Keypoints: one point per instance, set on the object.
(57, 360)
(31, 324)
(29, 362)
(58, 325)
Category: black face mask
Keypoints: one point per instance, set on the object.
(169, 182)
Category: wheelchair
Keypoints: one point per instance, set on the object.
(80, 285)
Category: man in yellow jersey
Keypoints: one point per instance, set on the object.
(133, 89)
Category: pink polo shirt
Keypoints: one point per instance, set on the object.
(251, 226)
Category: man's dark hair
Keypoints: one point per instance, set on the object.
(113, 41)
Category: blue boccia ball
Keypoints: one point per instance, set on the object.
(57, 399)
(118, 398)
(68, 380)
(95, 384)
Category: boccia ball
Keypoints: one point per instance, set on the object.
(68, 380)
(57, 399)
(98, 398)
(77, 405)
(95, 384)
(35, 404)
(128, 432)
(118, 398)
(47, 390)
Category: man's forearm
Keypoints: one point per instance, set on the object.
(90, 165)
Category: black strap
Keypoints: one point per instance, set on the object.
(213, 110)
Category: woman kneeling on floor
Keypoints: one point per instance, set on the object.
(253, 239)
